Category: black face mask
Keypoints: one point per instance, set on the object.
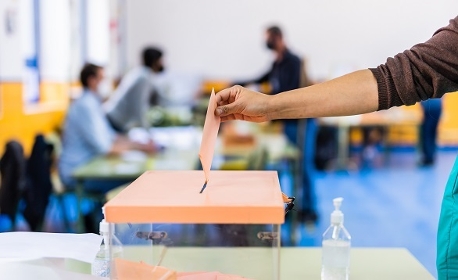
(159, 69)
(270, 45)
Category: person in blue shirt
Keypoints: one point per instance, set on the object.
(88, 134)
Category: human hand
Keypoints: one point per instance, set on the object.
(150, 147)
(239, 103)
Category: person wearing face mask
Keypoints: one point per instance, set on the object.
(129, 104)
(285, 72)
(284, 75)
(87, 134)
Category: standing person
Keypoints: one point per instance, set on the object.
(285, 74)
(432, 110)
(129, 104)
(427, 70)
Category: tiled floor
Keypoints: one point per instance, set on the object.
(396, 205)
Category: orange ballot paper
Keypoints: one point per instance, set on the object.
(128, 270)
(209, 134)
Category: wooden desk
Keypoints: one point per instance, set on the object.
(298, 262)
(180, 153)
(117, 167)
(112, 167)
(386, 118)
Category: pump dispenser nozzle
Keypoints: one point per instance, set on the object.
(337, 202)
(337, 216)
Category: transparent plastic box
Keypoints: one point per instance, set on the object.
(163, 228)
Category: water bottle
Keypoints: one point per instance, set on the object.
(336, 247)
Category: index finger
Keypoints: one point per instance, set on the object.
(224, 96)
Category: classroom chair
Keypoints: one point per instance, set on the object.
(13, 180)
(38, 183)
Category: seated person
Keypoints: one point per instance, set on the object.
(88, 134)
(129, 104)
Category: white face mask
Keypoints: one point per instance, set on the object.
(104, 88)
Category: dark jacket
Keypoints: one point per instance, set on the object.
(284, 75)
(12, 170)
(39, 185)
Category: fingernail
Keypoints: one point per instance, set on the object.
(219, 111)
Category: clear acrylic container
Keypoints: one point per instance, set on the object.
(170, 231)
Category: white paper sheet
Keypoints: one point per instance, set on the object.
(39, 270)
(27, 245)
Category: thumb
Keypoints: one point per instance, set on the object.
(225, 110)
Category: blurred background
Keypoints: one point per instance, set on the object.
(391, 167)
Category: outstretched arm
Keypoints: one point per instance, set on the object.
(355, 93)
(427, 70)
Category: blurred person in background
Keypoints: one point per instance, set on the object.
(432, 110)
(88, 134)
(128, 106)
(372, 141)
(286, 74)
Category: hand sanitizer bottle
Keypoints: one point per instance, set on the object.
(110, 245)
(336, 247)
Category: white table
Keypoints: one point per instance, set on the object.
(296, 263)
(365, 264)
(304, 262)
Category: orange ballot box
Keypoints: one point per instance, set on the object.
(161, 227)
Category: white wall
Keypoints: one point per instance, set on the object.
(30, 72)
(55, 26)
(76, 39)
(98, 31)
(225, 38)
(117, 42)
(11, 59)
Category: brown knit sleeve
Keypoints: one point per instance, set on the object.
(427, 70)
